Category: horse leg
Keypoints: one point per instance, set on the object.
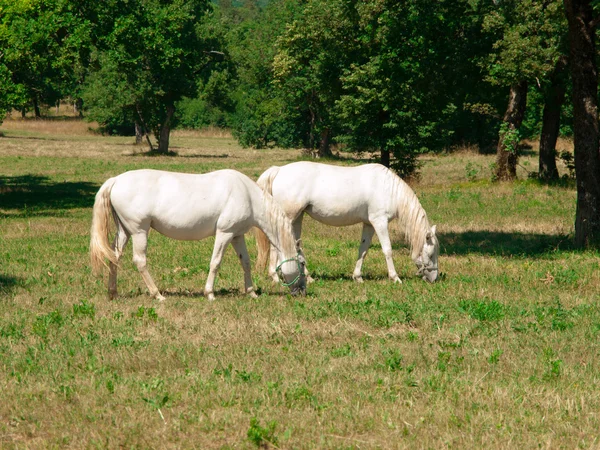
(222, 240)
(239, 245)
(273, 264)
(381, 228)
(367, 236)
(140, 244)
(121, 239)
(297, 229)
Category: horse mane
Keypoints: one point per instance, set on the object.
(411, 214)
(282, 226)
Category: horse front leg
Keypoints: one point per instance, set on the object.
(297, 229)
(222, 240)
(381, 228)
(140, 244)
(239, 245)
(121, 239)
(365, 242)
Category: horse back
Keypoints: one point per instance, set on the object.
(179, 205)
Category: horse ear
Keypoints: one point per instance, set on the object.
(431, 233)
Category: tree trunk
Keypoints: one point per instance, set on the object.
(324, 147)
(165, 131)
(551, 123)
(385, 157)
(78, 107)
(585, 121)
(36, 107)
(139, 133)
(138, 109)
(506, 154)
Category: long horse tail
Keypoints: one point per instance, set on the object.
(100, 248)
(265, 181)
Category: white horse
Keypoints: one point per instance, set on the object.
(224, 204)
(338, 196)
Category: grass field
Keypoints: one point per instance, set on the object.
(503, 353)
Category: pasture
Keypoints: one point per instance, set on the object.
(502, 353)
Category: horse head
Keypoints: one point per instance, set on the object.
(427, 261)
(291, 273)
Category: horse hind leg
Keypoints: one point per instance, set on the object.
(140, 244)
(239, 245)
(365, 242)
(121, 239)
(381, 228)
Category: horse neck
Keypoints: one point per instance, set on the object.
(412, 215)
(276, 225)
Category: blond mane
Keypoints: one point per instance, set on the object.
(411, 215)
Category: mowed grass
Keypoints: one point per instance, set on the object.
(502, 353)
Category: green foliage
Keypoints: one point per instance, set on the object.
(262, 436)
(44, 48)
(149, 56)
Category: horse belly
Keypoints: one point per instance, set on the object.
(185, 226)
(337, 215)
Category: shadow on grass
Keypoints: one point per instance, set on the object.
(503, 244)
(174, 154)
(35, 195)
(8, 283)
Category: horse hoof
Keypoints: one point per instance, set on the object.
(252, 294)
(310, 279)
(211, 297)
(358, 279)
(112, 295)
(159, 297)
(397, 280)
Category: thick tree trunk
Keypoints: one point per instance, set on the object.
(324, 147)
(585, 124)
(165, 131)
(506, 153)
(551, 123)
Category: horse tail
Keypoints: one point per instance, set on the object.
(265, 181)
(100, 248)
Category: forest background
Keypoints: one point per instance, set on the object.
(392, 78)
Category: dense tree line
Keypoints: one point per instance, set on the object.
(394, 77)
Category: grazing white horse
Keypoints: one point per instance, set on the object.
(224, 204)
(338, 196)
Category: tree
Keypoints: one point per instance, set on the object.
(312, 54)
(403, 91)
(261, 116)
(150, 53)
(43, 45)
(555, 97)
(584, 73)
(526, 49)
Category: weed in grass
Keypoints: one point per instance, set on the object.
(495, 356)
(84, 309)
(485, 310)
(261, 436)
(471, 171)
